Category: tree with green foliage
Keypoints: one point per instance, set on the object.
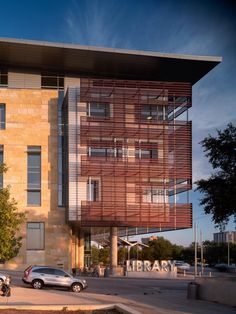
(158, 249)
(219, 190)
(122, 255)
(177, 252)
(104, 255)
(218, 252)
(10, 221)
(95, 255)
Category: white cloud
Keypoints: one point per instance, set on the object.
(95, 24)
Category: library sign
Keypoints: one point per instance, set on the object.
(157, 269)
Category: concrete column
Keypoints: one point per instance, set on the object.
(74, 250)
(76, 243)
(113, 249)
(81, 249)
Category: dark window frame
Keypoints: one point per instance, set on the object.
(103, 112)
(3, 78)
(153, 192)
(40, 223)
(94, 195)
(106, 152)
(153, 112)
(59, 81)
(101, 152)
(32, 188)
(2, 116)
(149, 153)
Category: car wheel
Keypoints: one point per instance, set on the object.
(37, 284)
(76, 287)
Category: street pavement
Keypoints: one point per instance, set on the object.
(147, 296)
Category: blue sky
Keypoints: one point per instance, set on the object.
(190, 27)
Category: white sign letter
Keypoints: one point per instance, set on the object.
(146, 266)
(128, 266)
(139, 265)
(156, 266)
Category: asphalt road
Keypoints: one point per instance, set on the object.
(147, 296)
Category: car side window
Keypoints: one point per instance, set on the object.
(59, 272)
(48, 271)
(37, 270)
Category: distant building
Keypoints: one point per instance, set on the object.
(224, 237)
(146, 240)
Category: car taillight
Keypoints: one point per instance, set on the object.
(27, 271)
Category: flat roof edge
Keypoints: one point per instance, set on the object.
(216, 59)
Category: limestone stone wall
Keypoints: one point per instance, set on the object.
(220, 290)
(31, 119)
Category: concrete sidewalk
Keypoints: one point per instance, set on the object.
(165, 302)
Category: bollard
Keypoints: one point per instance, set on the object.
(192, 291)
(107, 272)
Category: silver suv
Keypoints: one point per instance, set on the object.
(5, 278)
(39, 276)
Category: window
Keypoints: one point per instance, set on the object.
(179, 99)
(154, 195)
(149, 153)
(35, 236)
(146, 153)
(1, 161)
(87, 242)
(153, 112)
(52, 81)
(2, 116)
(61, 164)
(3, 78)
(119, 153)
(100, 152)
(93, 190)
(48, 271)
(59, 272)
(106, 152)
(34, 176)
(98, 109)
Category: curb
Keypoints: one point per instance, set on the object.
(120, 307)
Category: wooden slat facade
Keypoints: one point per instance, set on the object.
(124, 178)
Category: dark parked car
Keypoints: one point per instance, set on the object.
(40, 276)
(222, 267)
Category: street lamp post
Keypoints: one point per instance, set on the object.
(228, 235)
(201, 241)
(195, 250)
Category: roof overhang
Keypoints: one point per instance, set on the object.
(104, 62)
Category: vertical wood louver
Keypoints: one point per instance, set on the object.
(139, 151)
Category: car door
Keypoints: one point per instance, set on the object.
(62, 278)
(46, 274)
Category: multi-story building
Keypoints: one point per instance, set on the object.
(97, 142)
(225, 237)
